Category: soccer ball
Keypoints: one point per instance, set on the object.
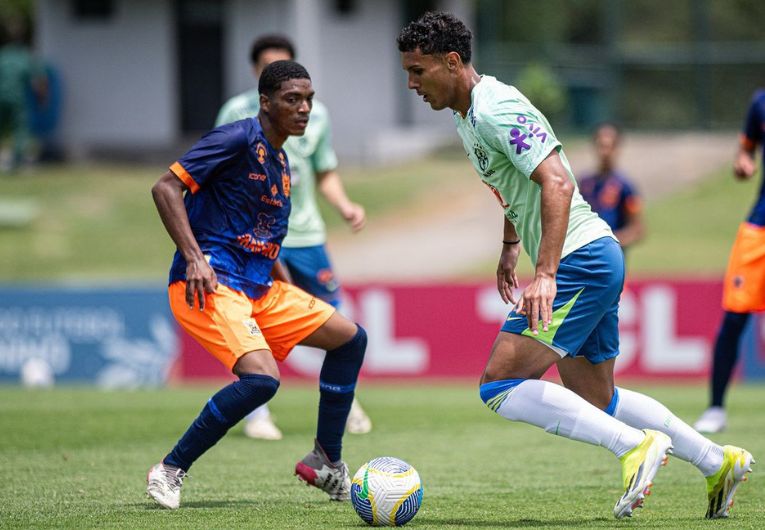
(386, 491)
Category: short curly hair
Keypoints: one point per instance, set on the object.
(277, 72)
(436, 32)
(271, 42)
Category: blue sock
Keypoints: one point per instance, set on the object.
(611, 408)
(726, 353)
(222, 411)
(337, 382)
(495, 393)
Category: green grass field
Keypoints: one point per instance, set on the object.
(77, 458)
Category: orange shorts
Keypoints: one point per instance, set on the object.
(233, 324)
(744, 287)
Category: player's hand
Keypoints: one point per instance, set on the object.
(744, 166)
(354, 215)
(536, 302)
(506, 278)
(200, 279)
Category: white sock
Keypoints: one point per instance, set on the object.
(560, 411)
(643, 412)
(259, 413)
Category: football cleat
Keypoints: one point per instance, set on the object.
(639, 467)
(316, 470)
(722, 485)
(358, 421)
(164, 485)
(262, 428)
(711, 421)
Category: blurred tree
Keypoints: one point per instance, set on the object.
(15, 10)
(539, 83)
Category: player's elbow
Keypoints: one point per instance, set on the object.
(567, 186)
(157, 191)
(163, 188)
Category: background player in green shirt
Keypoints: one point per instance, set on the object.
(20, 72)
(313, 165)
(567, 315)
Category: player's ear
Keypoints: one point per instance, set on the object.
(265, 102)
(453, 60)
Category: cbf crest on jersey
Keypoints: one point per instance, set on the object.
(481, 156)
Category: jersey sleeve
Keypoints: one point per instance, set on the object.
(518, 131)
(215, 150)
(630, 198)
(752, 133)
(324, 157)
(230, 112)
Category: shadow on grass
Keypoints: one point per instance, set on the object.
(195, 505)
(515, 523)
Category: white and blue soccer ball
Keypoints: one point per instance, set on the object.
(386, 491)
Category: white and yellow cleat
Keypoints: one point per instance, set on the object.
(639, 467)
(722, 485)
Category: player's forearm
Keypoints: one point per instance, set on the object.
(168, 197)
(632, 232)
(331, 187)
(508, 231)
(556, 203)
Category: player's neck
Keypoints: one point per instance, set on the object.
(468, 81)
(275, 138)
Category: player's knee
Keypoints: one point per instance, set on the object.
(259, 388)
(494, 393)
(352, 351)
(361, 340)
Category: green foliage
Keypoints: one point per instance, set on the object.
(539, 83)
(15, 13)
(77, 458)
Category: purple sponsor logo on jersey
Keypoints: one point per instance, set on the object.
(518, 140)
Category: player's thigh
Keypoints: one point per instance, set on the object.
(287, 316)
(744, 283)
(226, 327)
(593, 382)
(311, 270)
(332, 334)
(589, 282)
(517, 357)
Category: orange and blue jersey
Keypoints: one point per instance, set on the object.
(754, 130)
(238, 204)
(613, 198)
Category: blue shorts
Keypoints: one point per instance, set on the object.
(585, 309)
(310, 270)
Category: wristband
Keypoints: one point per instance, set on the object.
(505, 242)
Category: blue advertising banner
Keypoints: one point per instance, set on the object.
(111, 337)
